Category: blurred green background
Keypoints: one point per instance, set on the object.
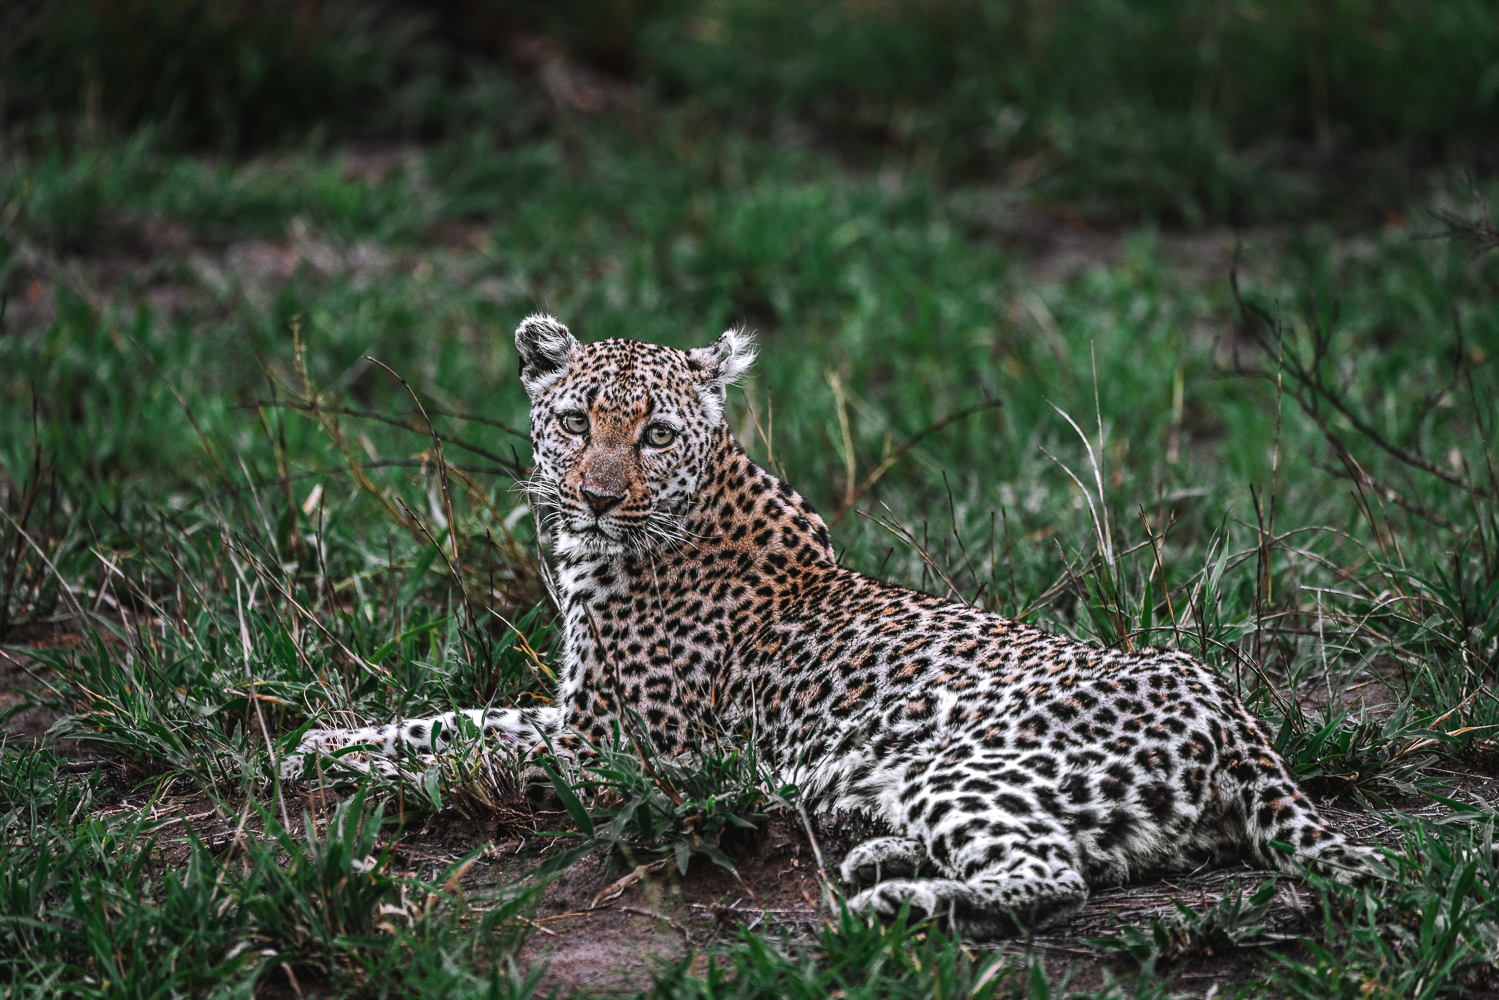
(1176, 110)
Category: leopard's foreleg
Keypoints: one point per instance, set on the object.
(382, 747)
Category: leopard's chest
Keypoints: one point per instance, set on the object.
(643, 634)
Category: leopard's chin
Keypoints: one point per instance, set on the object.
(592, 538)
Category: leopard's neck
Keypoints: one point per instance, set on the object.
(743, 508)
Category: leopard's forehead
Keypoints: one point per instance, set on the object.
(619, 372)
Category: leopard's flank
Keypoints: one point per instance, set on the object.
(697, 591)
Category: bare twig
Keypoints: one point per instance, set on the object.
(1480, 231)
(442, 465)
(1155, 548)
(1315, 396)
(900, 532)
(617, 888)
(899, 453)
(512, 469)
(1391, 494)
(383, 463)
(270, 745)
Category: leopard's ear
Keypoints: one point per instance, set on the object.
(720, 364)
(544, 346)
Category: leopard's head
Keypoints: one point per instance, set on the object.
(621, 432)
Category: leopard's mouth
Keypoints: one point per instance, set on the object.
(610, 533)
(593, 527)
(593, 530)
(604, 532)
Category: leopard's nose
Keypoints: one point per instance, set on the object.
(600, 502)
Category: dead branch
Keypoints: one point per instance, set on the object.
(512, 468)
(1317, 398)
(874, 475)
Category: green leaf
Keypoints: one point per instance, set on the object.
(385, 650)
(1038, 988)
(570, 802)
(294, 737)
(622, 817)
(414, 580)
(718, 857)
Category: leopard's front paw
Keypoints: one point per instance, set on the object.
(885, 900)
(957, 907)
(290, 767)
(884, 858)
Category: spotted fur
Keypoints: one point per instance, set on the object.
(701, 594)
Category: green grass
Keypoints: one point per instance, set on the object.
(643, 806)
(1429, 933)
(1229, 924)
(96, 907)
(257, 517)
(849, 958)
(1161, 110)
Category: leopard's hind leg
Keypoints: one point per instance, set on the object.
(1003, 863)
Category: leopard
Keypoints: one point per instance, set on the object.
(697, 593)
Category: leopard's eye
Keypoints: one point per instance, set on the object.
(573, 423)
(659, 435)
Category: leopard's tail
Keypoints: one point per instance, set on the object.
(1281, 827)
